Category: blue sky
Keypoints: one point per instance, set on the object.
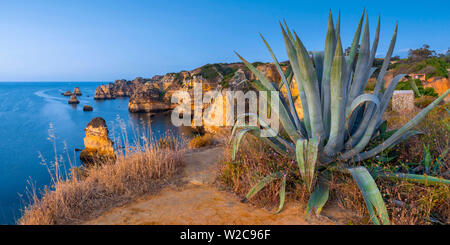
(95, 40)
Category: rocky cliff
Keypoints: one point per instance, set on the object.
(440, 85)
(153, 94)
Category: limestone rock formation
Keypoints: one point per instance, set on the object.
(104, 92)
(148, 98)
(67, 93)
(87, 108)
(73, 99)
(77, 91)
(98, 147)
(440, 85)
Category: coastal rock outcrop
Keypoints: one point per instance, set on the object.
(148, 98)
(67, 93)
(103, 92)
(98, 147)
(77, 91)
(73, 99)
(87, 108)
(153, 95)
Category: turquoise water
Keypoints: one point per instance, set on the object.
(30, 113)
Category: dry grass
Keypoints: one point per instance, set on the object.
(84, 196)
(201, 141)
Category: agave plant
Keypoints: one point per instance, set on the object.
(339, 119)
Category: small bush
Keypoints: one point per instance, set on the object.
(200, 141)
(429, 91)
(423, 101)
(168, 142)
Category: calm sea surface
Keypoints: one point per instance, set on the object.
(32, 112)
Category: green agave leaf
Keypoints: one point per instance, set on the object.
(318, 64)
(336, 136)
(369, 132)
(289, 33)
(318, 198)
(263, 79)
(292, 55)
(282, 194)
(338, 24)
(312, 153)
(424, 179)
(286, 84)
(277, 142)
(262, 183)
(264, 84)
(371, 194)
(311, 87)
(360, 100)
(386, 62)
(362, 67)
(306, 154)
(328, 56)
(239, 136)
(355, 42)
(300, 147)
(414, 87)
(288, 74)
(375, 44)
(398, 135)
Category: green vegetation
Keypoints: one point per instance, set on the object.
(419, 90)
(340, 120)
(209, 72)
(423, 60)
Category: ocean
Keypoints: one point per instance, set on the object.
(35, 119)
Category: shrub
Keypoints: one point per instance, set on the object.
(201, 141)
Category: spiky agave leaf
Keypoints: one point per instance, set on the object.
(424, 179)
(292, 55)
(318, 197)
(310, 84)
(328, 56)
(286, 84)
(262, 183)
(413, 85)
(282, 194)
(371, 194)
(394, 139)
(284, 114)
(307, 153)
(336, 135)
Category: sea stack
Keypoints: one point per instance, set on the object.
(87, 108)
(67, 93)
(98, 147)
(77, 91)
(73, 99)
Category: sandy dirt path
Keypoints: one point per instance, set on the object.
(193, 199)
